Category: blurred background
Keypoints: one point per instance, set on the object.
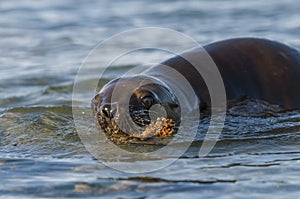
(42, 45)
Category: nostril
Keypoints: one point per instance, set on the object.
(108, 111)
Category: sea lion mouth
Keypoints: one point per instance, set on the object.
(109, 126)
(135, 125)
(128, 123)
(113, 126)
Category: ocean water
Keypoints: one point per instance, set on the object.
(43, 44)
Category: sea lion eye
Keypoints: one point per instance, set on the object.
(147, 101)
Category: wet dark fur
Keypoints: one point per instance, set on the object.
(250, 67)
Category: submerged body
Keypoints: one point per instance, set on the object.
(255, 68)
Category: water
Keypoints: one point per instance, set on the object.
(43, 43)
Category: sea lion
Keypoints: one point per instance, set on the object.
(250, 67)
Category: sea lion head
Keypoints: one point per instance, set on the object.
(127, 105)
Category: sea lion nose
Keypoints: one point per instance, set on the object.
(108, 111)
